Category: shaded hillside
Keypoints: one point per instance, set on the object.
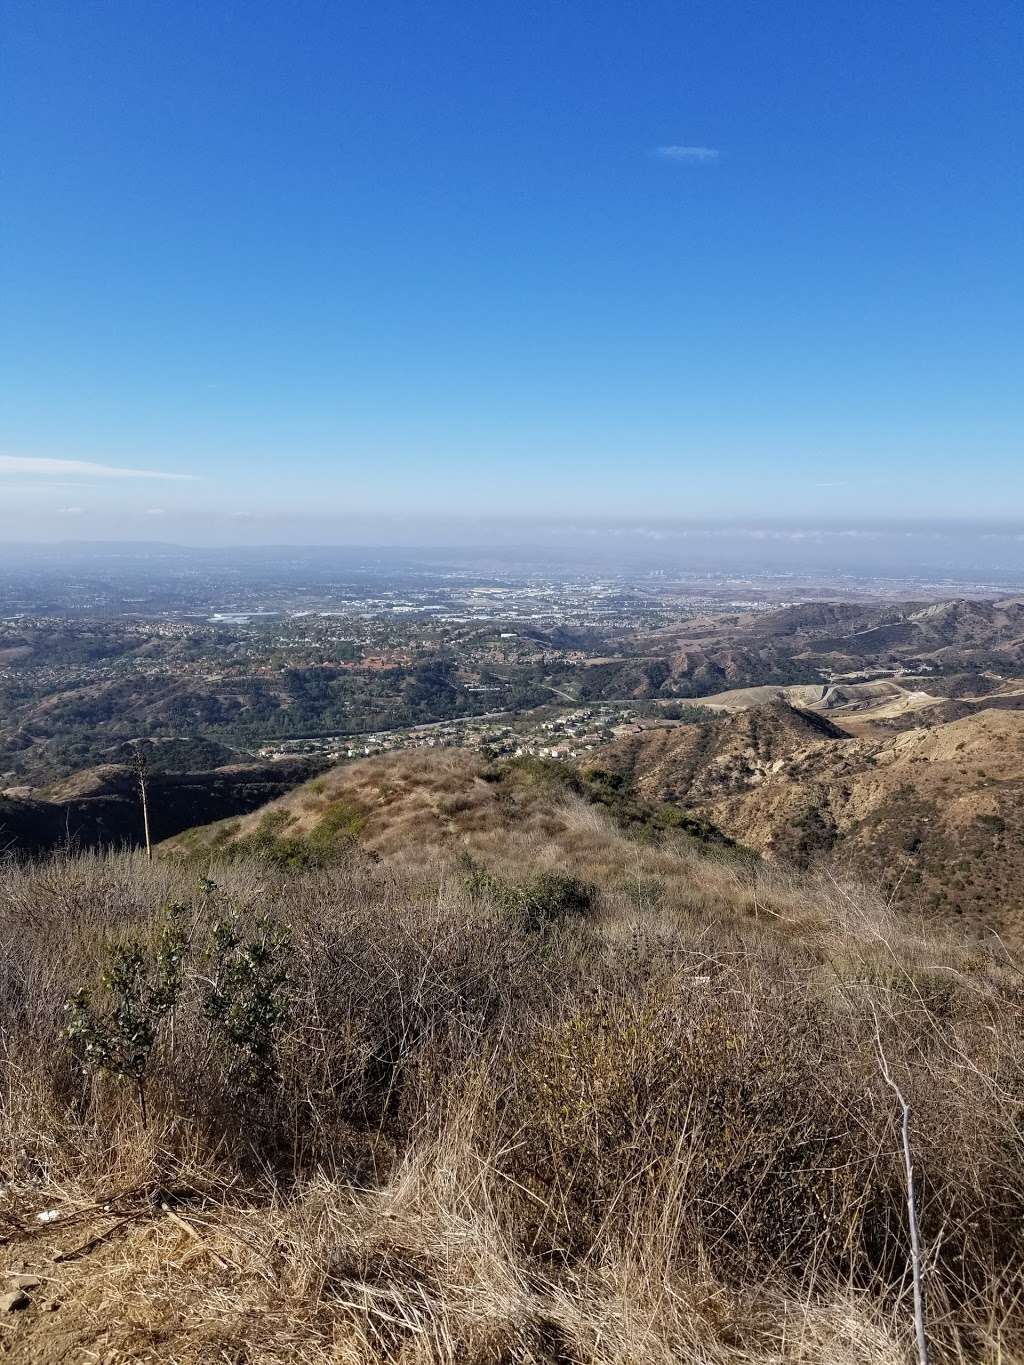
(927, 627)
(806, 644)
(100, 807)
(935, 815)
(809, 619)
(687, 668)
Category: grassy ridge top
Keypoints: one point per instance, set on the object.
(405, 807)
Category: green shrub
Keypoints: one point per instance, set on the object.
(331, 838)
(247, 1001)
(342, 822)
(541, 900)
(550, 896)
(141, 990)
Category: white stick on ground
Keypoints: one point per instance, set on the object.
(915, 1237)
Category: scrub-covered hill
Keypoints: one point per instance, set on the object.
(933, 814)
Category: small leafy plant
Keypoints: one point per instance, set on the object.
(247, 1000)
(542, 899)
(142, 989)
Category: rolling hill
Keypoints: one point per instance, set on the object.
(526, 1061)
(410, 807)
(934, 815)
(931, 816)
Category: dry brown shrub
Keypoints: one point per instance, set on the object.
(653, 1129)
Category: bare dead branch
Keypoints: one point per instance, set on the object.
(915, 1235)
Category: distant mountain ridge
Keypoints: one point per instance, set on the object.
(812, 642)
(921, 629)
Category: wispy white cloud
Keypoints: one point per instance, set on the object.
(50, 485)
(698, 155)
(27, 464)
(155, 512)
(738, 531)
(70, 511)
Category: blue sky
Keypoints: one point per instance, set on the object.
(306, 267)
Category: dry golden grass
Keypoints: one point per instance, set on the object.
(647, 1126)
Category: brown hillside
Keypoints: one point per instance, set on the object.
(650, 1126)
(588, 1094)
(731, 753)
(407, 808)
(935, 816)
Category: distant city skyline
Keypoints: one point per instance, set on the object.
(393, 273)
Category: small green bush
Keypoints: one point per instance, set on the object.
(542, 899)
(247, 1000)
(142, 989)
(552, 896)
(342, 821)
